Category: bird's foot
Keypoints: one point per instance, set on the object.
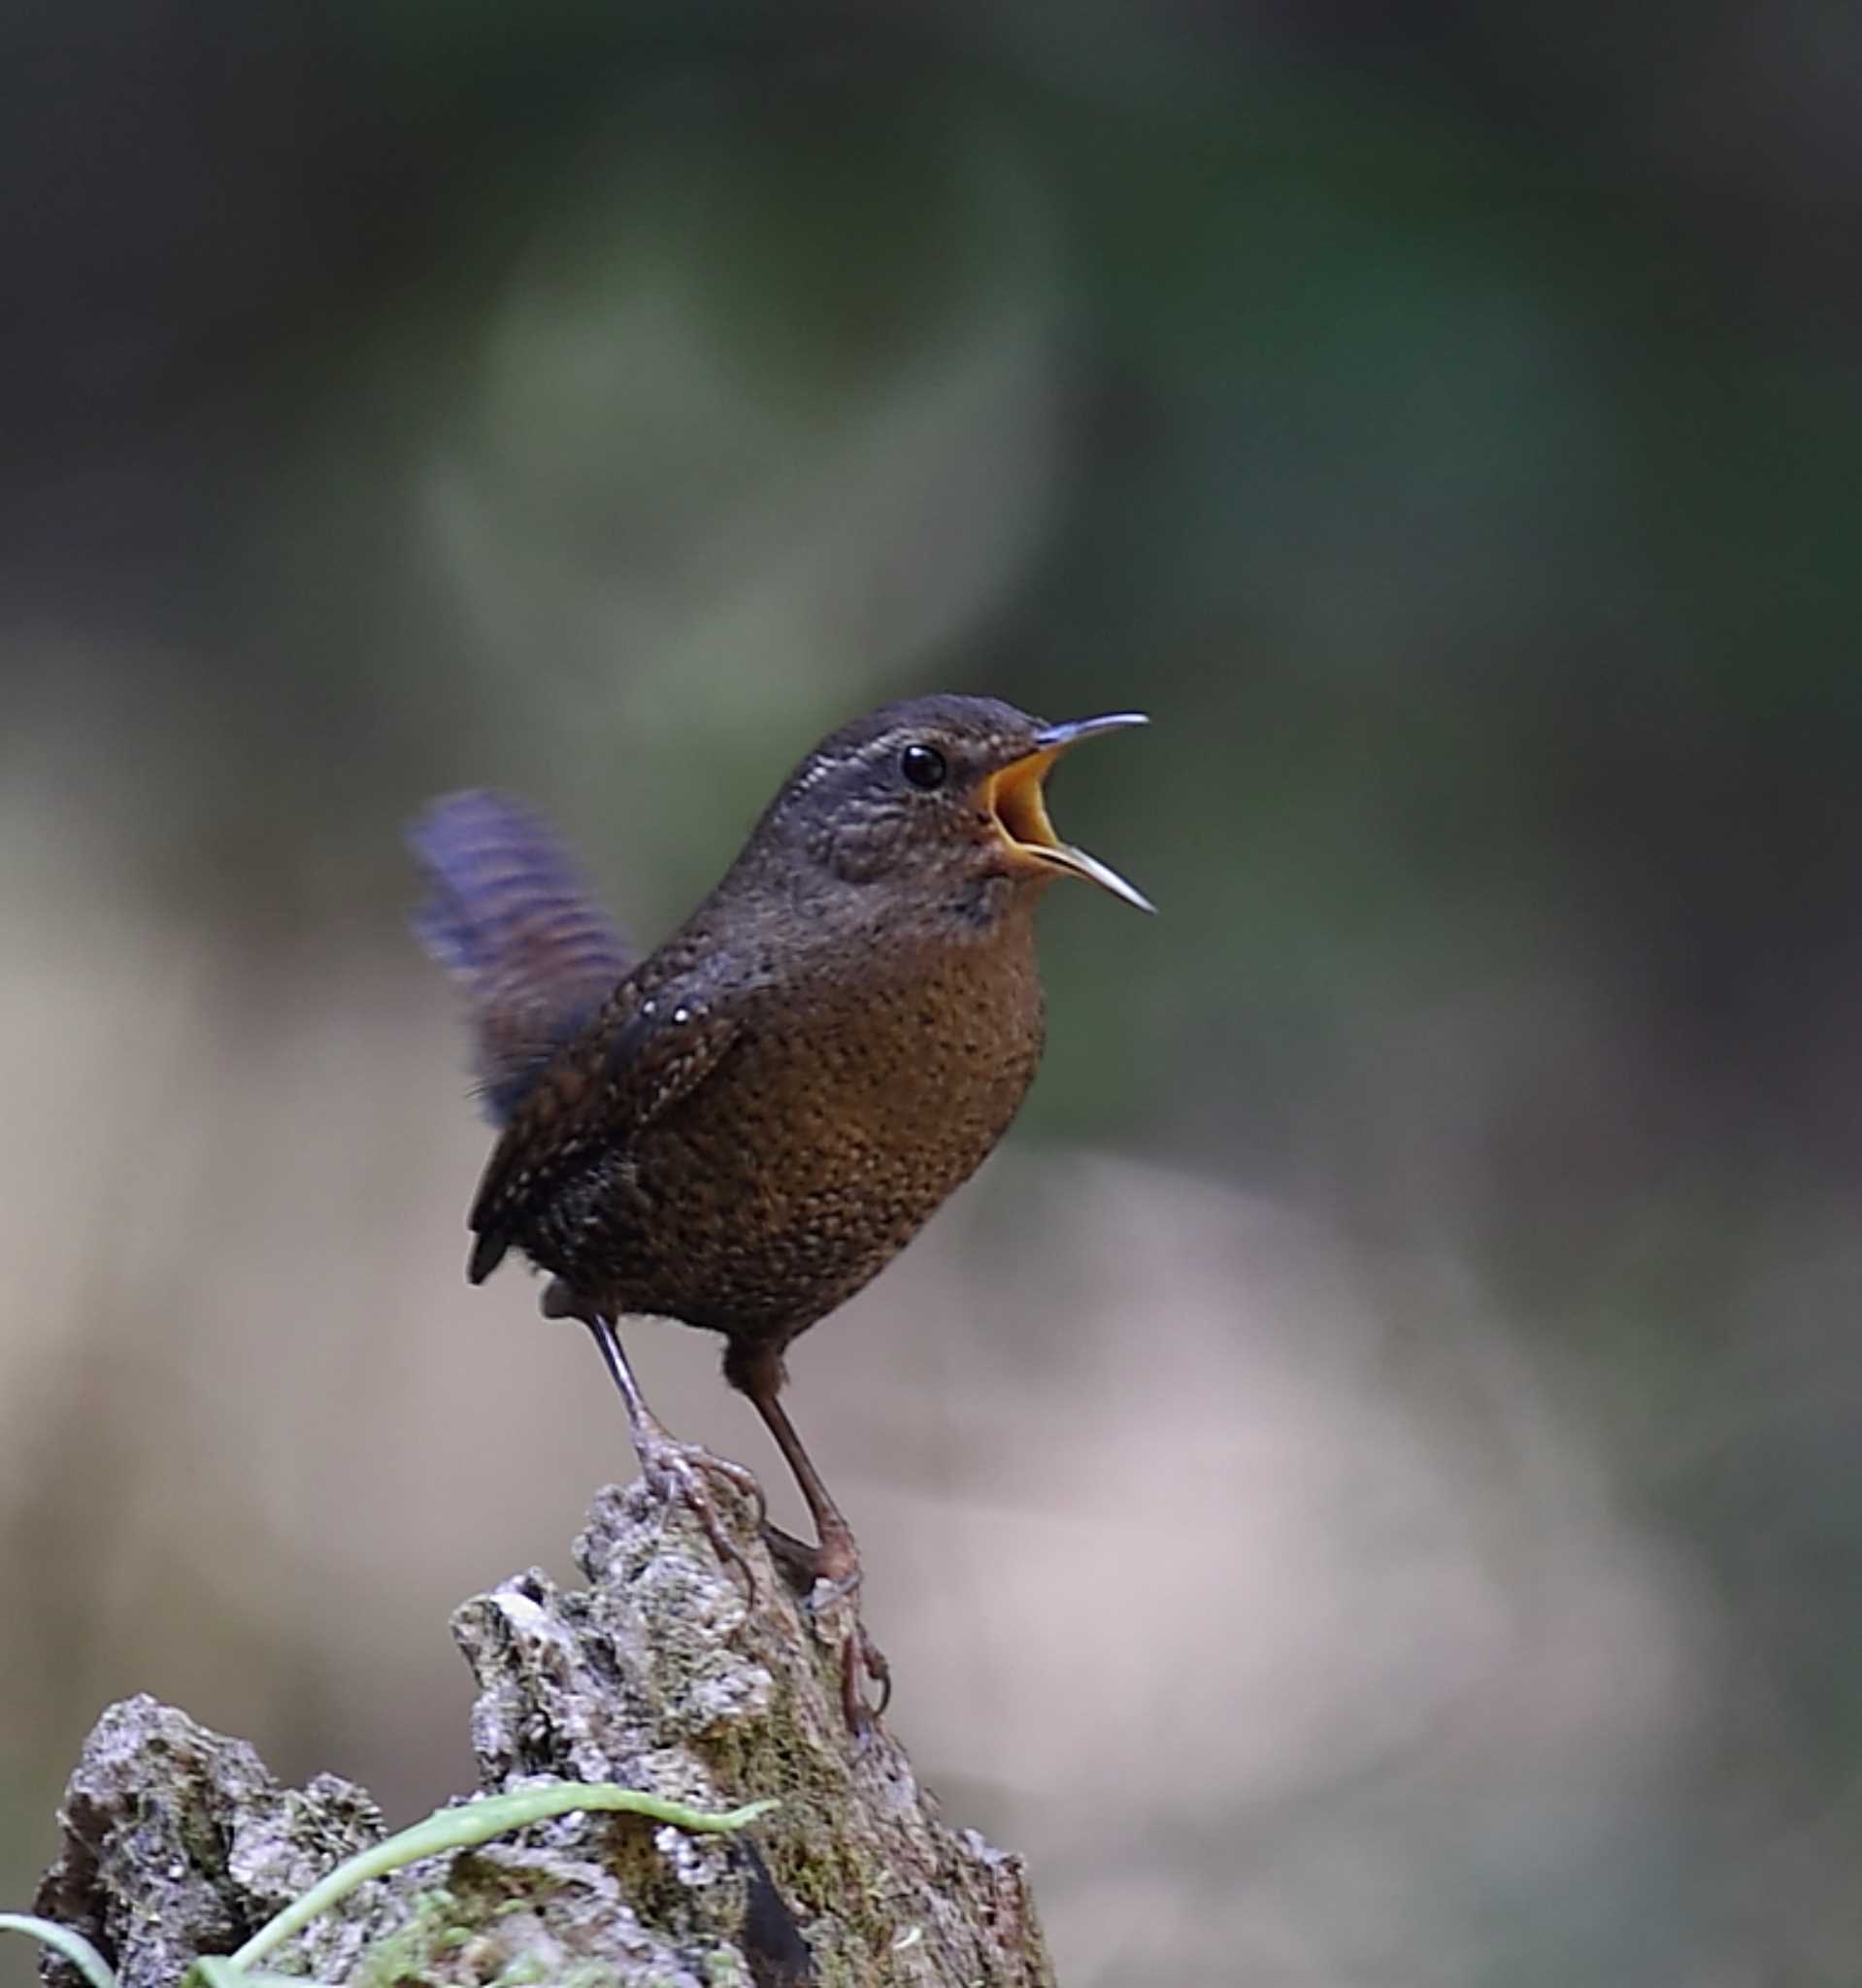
(837, 1562)
(824, 1575)
(860, 1658)
(677, 1472)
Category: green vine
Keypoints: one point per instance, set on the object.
(463, 1826)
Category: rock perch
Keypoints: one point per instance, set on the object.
(660, 1675)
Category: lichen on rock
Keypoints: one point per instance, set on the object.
(664, 1674)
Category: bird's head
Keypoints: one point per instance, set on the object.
(939, 801)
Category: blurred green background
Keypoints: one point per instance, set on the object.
(1367, 1487)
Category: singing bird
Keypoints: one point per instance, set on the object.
(742, 1129)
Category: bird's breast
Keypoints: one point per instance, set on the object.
(844, 1115)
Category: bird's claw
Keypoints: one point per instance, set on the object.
(676, 1472)
(823, 1576)
(860, 1653)
(803, 1566)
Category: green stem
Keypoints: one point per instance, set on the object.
(212, 1973)
(74, 1946)
(464, 1828)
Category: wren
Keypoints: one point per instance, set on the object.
(742, 1129)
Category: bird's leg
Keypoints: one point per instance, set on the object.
(834, 1559)
(672, 1469)
(837, 1558)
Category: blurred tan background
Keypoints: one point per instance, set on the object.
(1363, 1489)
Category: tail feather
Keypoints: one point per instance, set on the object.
(508, 915)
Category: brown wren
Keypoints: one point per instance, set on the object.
(742, 1129)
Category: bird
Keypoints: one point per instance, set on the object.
(740, 1129)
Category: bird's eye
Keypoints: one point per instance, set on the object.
(923, 766)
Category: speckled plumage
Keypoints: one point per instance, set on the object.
(760, 1115)
(852, 1046)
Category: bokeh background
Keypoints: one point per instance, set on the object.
(1366, 1488)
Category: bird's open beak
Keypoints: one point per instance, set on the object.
(1012, 795)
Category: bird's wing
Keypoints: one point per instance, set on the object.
(508, 915)
(647, 1050)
